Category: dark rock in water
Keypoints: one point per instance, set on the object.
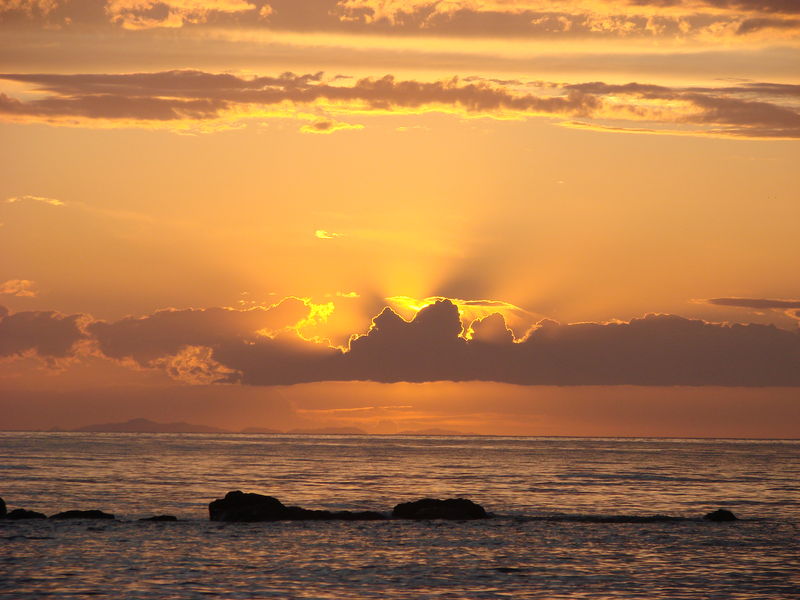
(82, 514)
(430, 508)
(21, 513)
(239, 506)
(2, 508)
(720, 515)
(160, 518)
(248, 507)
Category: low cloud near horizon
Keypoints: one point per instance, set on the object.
(183, 100)
(267, 346)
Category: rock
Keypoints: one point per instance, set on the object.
(160, 518)
(239, 506)
(82, 514)
(21, 513)
(2, 508)
(248, 507)
(721, 515)
(429, 508)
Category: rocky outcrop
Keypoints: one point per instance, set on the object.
(82, 514)
(249, 507)
(720, 515)
(239, 506)
(430, 508)
(21, 513)
(2, 508)
(160, 518)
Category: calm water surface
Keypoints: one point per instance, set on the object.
(136, 475)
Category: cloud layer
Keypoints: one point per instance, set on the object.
(676, 19)
(264, 346)
(186, 99)
(46, 334)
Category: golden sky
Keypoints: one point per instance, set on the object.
(501, 216)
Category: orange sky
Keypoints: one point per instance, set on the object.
(288, 170)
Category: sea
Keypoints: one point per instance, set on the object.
(540, 543)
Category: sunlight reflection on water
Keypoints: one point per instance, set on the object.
(507, 557)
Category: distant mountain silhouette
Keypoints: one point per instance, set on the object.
(148, 426)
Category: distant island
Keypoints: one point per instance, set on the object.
(141, 425)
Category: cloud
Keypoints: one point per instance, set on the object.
(325, 126)
(167, 333)
(182, 99)
(265, 346)
(676, 20)
(46, 334)
(29, 198)
(326, 235)
(148, 14)
(196, 365)
(757, 303)
(790, 308)
(23, 288)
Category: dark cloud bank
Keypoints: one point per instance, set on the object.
(656, 350)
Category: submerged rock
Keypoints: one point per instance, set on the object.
(160, 518)
(21, 513)
(82, 514)
(430, 508)
(720, 515)
(249, 507)
(2, 508)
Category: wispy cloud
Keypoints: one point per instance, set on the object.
(789, 307)
(756, 303)
(31, 198)
(326, 235)
(325, 126)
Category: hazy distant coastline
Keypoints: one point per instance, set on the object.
(141, 425)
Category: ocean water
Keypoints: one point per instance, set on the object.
(518, 554)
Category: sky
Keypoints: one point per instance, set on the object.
(516, 217)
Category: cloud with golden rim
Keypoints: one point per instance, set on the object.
(622, 20)
(31, 198)
(22, 288)
(223, 345)
(182, 99)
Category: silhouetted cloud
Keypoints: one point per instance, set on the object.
(182, 98)
(166, 333)
(264, 346)
(47, 334)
